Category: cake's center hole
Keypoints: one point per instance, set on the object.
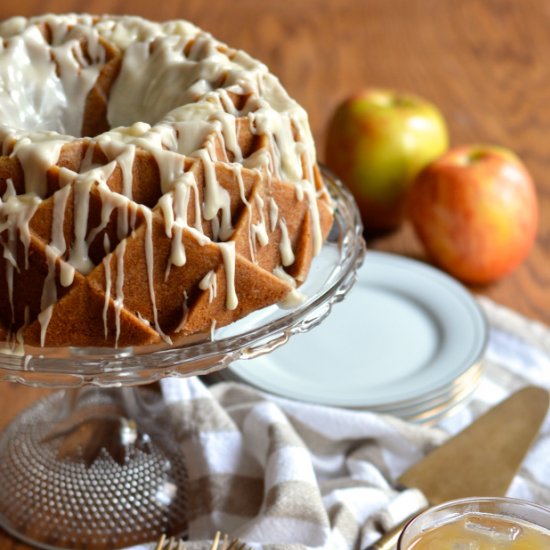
(72, 83)
(63, 88)
(45, 86)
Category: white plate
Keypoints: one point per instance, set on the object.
(405, 333)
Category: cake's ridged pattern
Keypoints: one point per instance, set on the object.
(208, 209)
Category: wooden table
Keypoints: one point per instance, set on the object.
(486, 64)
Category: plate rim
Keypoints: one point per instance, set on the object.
(412, 397)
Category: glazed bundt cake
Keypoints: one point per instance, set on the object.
(154, 183)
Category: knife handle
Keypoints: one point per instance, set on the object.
(389, 540)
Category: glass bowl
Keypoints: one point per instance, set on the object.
(479, 523)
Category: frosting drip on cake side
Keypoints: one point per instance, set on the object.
(179, 96)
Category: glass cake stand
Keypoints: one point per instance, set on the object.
(94, 466)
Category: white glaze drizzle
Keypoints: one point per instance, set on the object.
(119, 252)
(16, 211)
(181, 200)
(229, 133)
(10, 255)
(237, 170)
(228, 253)
(259, 230)
(293, 298)
(175, 94)
(49, 294)
(106, 243)
(19, 334)
(285, 246)
(66, 274)
(273, 214)
(149, 259)
(15, 215)
(9, 280)
(124, 154)
(44, 318)
(315, 220)
(82, 185)
(209, 281)
(216, 198)
(174, 207)
(58, 221)
(108, 282)
(185, 313)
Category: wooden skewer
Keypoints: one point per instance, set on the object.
(172, 543)
(216, 541)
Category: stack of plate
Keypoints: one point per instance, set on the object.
(407, 341)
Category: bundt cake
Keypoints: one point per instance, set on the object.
(154, 183)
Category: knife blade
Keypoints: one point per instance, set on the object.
(482, 460)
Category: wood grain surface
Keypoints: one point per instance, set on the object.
(485, 63)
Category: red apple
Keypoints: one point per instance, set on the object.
(475, 210)
(377, 143)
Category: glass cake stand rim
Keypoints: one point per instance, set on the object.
(107, 367)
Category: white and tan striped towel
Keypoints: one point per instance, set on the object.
(285, 475)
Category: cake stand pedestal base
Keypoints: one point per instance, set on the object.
(87, 468)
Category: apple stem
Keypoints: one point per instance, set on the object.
(475, 156)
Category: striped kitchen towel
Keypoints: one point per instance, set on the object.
(280, 474)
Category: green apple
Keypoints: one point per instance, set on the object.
(377, 143)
